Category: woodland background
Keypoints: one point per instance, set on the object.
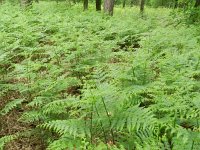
(117, 75)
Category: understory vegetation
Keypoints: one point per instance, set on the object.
(84, 80)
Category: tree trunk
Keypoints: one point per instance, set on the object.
(25, 3)
(142, 6)
(176, 4)
(124, 3)
(37, 1)
(98, 5)
(197, 4)
(85, 4)
(131, 4)
(109, 6)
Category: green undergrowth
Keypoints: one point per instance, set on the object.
(89, 81)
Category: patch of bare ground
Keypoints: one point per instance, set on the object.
(9, 125)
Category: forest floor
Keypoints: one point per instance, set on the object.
(55, 40)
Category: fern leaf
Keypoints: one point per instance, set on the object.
(37, 102)
(133, 118)
(6, 139)
(58, 106)
(73, 127)
(13, 104)
(32, 116)
(65, 142)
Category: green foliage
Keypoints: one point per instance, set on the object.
(6, 139)
(157, 3)
(11, 105)
(89, 81)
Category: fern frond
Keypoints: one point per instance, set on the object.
(145, 139)
(74, 127)
(185, 139)
(133, 118)
(11, 105)
(32, 116)
(37, 102)
(6, 139)
(65, 142)
(59, 106)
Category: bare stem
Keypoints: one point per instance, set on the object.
(112, 133)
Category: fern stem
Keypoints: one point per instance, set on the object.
(144, 75)
(174, 119)
(104, 133)
(112, 134)
(133, 71)
(196, 67)
(91, 123)
(101, 124)
(192, 145)
(29, 81)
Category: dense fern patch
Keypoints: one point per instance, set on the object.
(83, 80)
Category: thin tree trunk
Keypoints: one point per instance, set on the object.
(25, 3)
(85, 4)
(131, 3)
(109, 6)
(142, 6)
(124, 3)
(176, 4)
(162, 3)
(197, 4)
(98, 5)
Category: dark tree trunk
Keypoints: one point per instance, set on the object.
(162, 3)
(98, 5)
(131, 3)
(142, 6)
(176, 4)
(85, 4)
(109, 6)
(124, 3)
(25, 3)
(197, 4)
